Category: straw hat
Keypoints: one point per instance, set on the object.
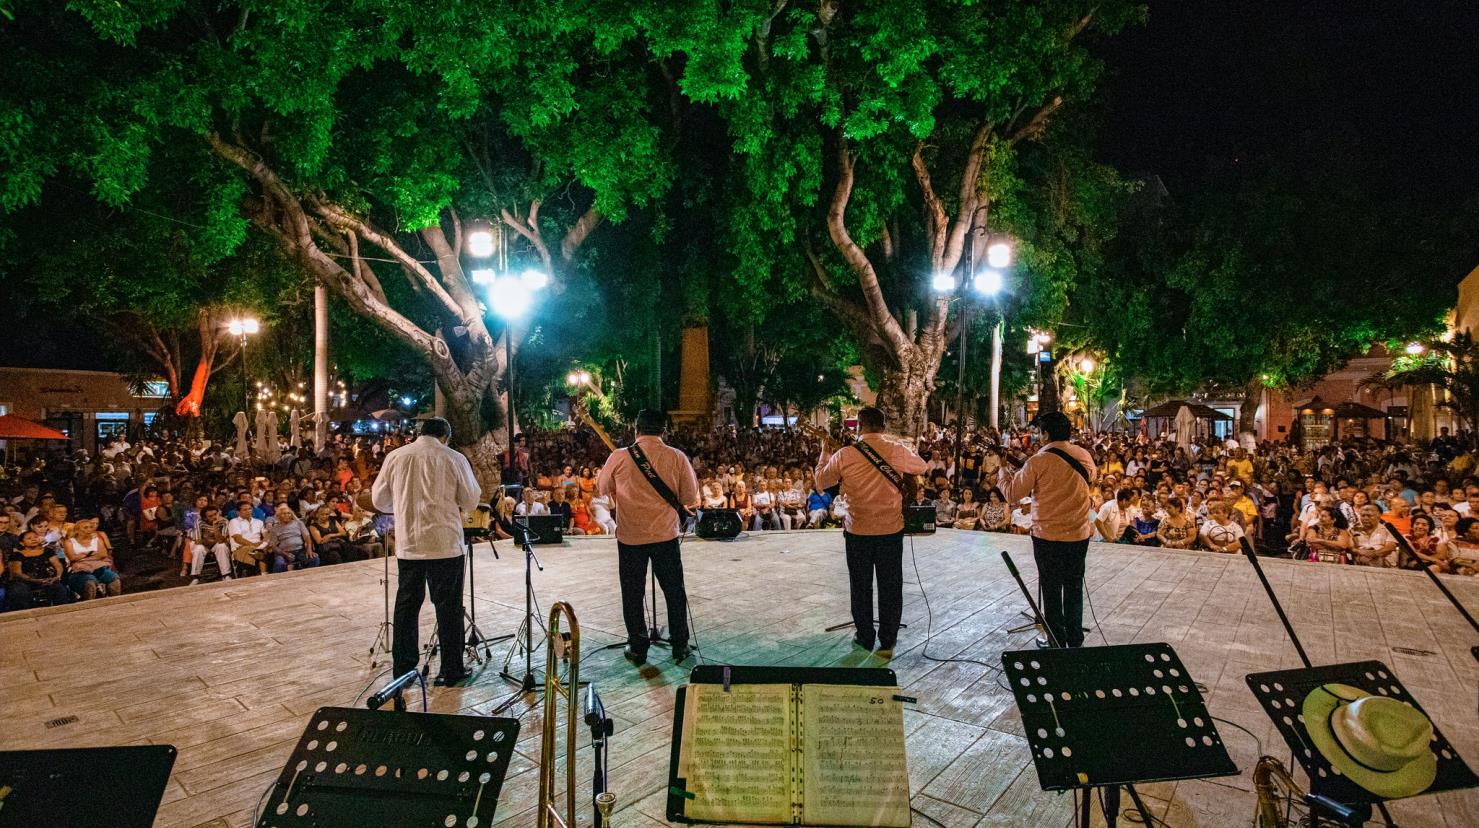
(1379, 743)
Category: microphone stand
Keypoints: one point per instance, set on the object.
(1342, 813)
(1037, 617)
(524, 638)
(384, 638)
(601, 729)
(1433, 576)
(475, 637)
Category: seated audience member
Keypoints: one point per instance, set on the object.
(1371, 543)
(362, 536)
(1328, 540)
(793, 505)
(1426, 550)
(530, 505)
(818, 508)
(1113, 522)
(767, 516)
(601, 513)
(288, 538)
(90, 561)
(995, 514)
(1221, 533)
(1022, 517)
(743, 503)
(35, 572)
(1176, 530)
(211, 536)
(581, 522)
(714, 497)
(1399, 514)
(840, 509)
(248, 539)
(1465, 549)
(559, 506)
(968, 511)
(330, 540)
(944, 508)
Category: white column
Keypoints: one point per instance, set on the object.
(996, 334)
(320, 365)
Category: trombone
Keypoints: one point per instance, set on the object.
(565, 646)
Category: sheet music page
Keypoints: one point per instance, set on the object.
(855, 770)
(735, 754)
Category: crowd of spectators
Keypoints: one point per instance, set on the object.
(67, 519)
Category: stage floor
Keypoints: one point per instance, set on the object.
(229, 672)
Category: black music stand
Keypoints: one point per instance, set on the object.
(354, 767)
(1106, 717)
(116, 786)
(1281, 694)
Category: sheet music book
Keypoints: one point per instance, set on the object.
(793, 754)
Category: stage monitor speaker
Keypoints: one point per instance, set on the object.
(717, 524)
(919, 520)
(544, 529)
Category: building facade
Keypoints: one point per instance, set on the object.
(88, 406)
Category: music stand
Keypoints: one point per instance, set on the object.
(1281, 693)
(116, 786)
(1106, 717)
(354, 767)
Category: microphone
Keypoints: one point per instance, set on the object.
(392, 689)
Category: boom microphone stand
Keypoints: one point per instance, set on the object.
(475, 637)
(654, 630)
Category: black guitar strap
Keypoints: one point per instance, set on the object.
(644, 465)
(1068, 458)
(882, 465)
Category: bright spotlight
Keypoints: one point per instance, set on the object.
(989, 282)
(509, 297)
(406, 401)
(535, 279)
(999, 255)
(250, 325)
(483, 276)
(585, 376)
(943, 282)
(1414, 348)
(480, 244)
(1086, 365)
(572, 378)
(236, 328)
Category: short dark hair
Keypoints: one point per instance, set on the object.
(651, 421)
(1055, 425)
(871, 419)
(1124, 495)
(436, 427)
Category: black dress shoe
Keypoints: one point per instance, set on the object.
(451, 679)
(633, 656)
(681, 652)
(858, 642)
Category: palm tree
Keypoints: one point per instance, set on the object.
(1452, 366)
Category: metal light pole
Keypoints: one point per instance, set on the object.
(987, 282)
(242, 328)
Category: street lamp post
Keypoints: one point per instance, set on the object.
(988, 281)
(241, 329)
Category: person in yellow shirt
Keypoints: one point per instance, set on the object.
(1238, 499)
(1240, 465)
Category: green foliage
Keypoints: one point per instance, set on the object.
(1281, 272)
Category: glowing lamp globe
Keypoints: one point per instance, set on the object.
(480, 244)
(509, 297)
(999, 255)
(943, 282)
(989, 282)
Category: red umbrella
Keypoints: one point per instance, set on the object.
(17, 428)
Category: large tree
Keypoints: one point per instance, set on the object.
(865, 137)
(356, 136)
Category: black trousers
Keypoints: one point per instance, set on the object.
(1060, 577)
(442, 577)
(883, 555)
(667, 567)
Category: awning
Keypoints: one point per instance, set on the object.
(18, 428)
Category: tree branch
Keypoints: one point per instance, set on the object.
(530, 231)
(1033, 128)
(579, 231)
(883, 321)
(345, 220)
(936, 221)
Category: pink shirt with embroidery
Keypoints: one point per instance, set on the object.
(642, 516)
(875, 506)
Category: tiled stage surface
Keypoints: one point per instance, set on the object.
(229, 673)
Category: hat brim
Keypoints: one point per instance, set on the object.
(1409, 780)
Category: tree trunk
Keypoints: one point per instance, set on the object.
(1047, 395)
(902, 397)
(1248, 409)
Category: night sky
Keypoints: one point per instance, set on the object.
(1208, 84)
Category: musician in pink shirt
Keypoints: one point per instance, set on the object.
(1057, 478)
(649, 520)
(874, 527)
